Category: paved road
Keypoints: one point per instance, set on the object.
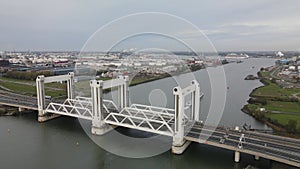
(18, 100)
(269, 146)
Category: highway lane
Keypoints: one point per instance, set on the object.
(262, 144)
(258, 140)
(285, 141)
(231, 139)
(247, 148)
(18, 100)
(274, 138)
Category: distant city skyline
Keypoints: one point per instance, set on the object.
(258, 25)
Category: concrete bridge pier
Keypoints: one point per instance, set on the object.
(237, 156)
(21, 109)
(47, 117)
(98, 125)
(100, 129)
(256, 157)
(180, 148)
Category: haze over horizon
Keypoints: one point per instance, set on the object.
(258, 25)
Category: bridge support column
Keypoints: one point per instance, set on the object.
(196, 101)
(256, 157)
(237, 156)
(179, 143)
(40, 90)
(98, 125)
(70, 85)
(21, 109)
(123, 92)
(180, 148)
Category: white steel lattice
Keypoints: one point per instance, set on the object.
(108, 105)
(80, 107)
(146, 118)
(72, 107)
(142, 117)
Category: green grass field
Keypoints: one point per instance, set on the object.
(27, 82)
(18, 88)
(264, 73)
(253, 107)
(284, 118)
(273, 90)
(293, 107)
(28, 87)
(15, 80)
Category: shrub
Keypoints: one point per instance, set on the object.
(261, 101)
(292, 126)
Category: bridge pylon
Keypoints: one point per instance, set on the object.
(98, 125)
(183, 123)
(40, 87)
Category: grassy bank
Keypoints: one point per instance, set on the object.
(273, 90)
(28, 87)
(274, 105)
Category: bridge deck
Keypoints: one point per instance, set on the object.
(281, 149)
(17, 100)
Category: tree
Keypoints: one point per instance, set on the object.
(292, 126)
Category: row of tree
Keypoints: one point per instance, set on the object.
(24, 75)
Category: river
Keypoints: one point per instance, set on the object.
(62, 143)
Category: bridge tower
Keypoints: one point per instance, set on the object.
(184, 123)
(40, 87)
(99, 127)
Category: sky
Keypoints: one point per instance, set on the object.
(230, 25)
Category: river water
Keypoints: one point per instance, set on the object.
(62, 143)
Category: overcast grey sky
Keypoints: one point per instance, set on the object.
(229, 24)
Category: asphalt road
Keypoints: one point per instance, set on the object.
(270, 145)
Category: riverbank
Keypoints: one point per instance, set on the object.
(274, 105)
(8, 111)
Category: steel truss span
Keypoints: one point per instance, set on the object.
(146, 118)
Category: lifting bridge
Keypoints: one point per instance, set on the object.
(182, 123)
